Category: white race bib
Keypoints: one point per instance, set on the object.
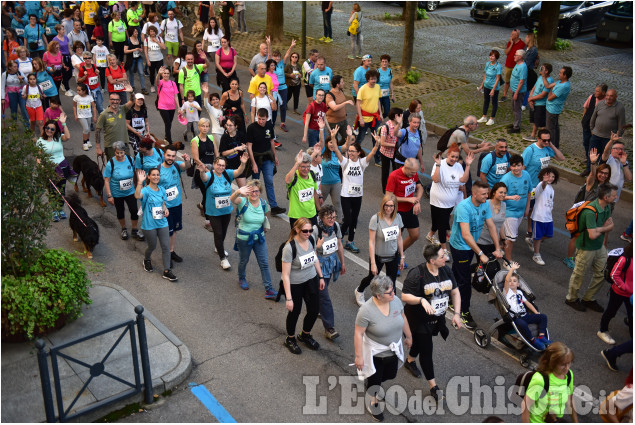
(325, 79)
(410, 189)
(154, 47)
(170, 36)
(501, 169)
(354, 189)
(19, 31)
(136, 54)
(172, 193)
(390, 233)
(157, 213)
(47, 30)
(385, 92)
(125, 185)
(305, 195)
(138, 123)
(544, 162)
(46, 85)
(93, 80)
(221, 202)
(329, 247)
(440, 305)
(307, 260)
(91, 15)
(40, 43)
(120, 29)
(117, 87)
(215, 43)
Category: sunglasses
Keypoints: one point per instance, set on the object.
(306, 230)
(51, 128)
(392, 291)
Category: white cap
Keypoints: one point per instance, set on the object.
(139, 96)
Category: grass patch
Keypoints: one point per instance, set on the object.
(121, 413)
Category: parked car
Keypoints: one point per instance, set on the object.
(575, 16)
(617, 23)
(432, 5)
(510, 13)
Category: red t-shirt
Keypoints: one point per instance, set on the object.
(316, 110)
(509, 60)
(98, 31)
(93, 77)
(115, 74)
(402, 186)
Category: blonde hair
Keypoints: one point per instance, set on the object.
(203, 121)
(297, 227)
(555, 354)
(254, 183)
(531, 40)
(388, 197)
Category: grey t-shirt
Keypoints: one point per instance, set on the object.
(382, 329)
(486, 238)
(306, 258)
(459, 136)
(258, 58)
(331, 242)
(386, 235)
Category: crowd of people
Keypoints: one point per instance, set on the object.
(52, 47)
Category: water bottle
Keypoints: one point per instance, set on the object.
(480, 273)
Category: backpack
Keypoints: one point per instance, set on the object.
(353, 27)
(210, 181)
(523, 380)
(162, 7)
(611, 261)
(294, 252)
(579, 197)
(242, 211)
(483, 155)
(573, 214)
(295, 180)
(442, 144)
(400, 141)
(185, 72)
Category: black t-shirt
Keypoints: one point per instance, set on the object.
(260, 136)
(227, 143)
(137, 119)
(436, 290)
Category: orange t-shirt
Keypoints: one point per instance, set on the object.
(10, 47)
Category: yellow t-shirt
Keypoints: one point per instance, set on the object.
(89, 8)
(255, 82)
(369, 97)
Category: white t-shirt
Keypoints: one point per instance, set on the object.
(445, 193)
(100, 53)
(33, 98)
(154, 49)
(262, 102)
(544, 204)
(213, 40)
(516, 305)
(317, 170)
(191, 113)
(617, 174)
(353, 177)
(144, 31)
(84, 109)
(76, 60)
(171, 29)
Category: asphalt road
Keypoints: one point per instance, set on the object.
(236, 337)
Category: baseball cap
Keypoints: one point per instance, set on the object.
(366, 57)
(139, 96)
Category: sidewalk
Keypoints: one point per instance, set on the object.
(170, 360)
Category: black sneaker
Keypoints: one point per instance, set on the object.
(575, 304)
(468, 320)
(375, 412)
(308, 340)
(278, 210)
(147, 266)
(169, 276)
(124, 234)
(436, 393)
(138, 236)
(175, 257)
(593, 305)
(412, 367)
(610, 360)
(513, 130)
(292, 346)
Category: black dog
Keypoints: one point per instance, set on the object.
(91, 177)
(82, 225)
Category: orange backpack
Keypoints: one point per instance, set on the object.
(573, 215)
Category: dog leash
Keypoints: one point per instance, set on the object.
(69, 205)
(103, 162)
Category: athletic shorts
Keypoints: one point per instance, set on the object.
(172, 47)
(308, 90)
(542, 230)
(410, 221)
(510, 228)
(540, 116)
(507, 73)
(35, 114)
(175, 219)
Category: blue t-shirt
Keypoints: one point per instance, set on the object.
(218, 193)
(466, 212)
(321, 80)
(121, 178)
(171, 181)
(32, 8)
(18, 26)
(408, 147)
(535, 159)
(282, 83)
(517, 186)
(152, 205)
(561, 90)
(148, 161)
(359, 75)
(385, 77)
(539, 87)
(491, 72)
(331, 170)
(171, 5)
(34, 35)
(45, 80)
(496, 171)
(50, 26)
(518, 73)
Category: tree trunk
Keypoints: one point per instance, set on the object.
(410, 14)
(548, 24)
(275, 21)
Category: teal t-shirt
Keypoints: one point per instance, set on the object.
(466, 212)
(519, 73)
(331, 170)
(217, 196)
(539, 87)
(561, 90)
(321, 80)
(149, 162)
(359, 75)
(171, 182)
(491, 72)
(121, 178)
(152, 205)
(496, 171)
(517, 186)
(385, 77)
(252, 219)
(535, 159)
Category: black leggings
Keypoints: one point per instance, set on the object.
(391, 272)
(132, 207)
(219, 223)
(154, 68)
(309, 292)
(440, 221)
(167, 115)
(615, 302)
(486, 99)
(118, 48)
(67, 74)
(201, 186)
(350, 209)
(293, 92)
(386, 164)
(385, 369)
(422, 347)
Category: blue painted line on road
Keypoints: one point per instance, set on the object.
(214, 407)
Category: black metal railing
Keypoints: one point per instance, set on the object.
(97, 369)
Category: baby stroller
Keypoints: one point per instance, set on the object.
(507, 331)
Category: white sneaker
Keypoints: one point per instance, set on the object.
(90, 145)
(490, 121)
(359, 297)
(216, 251)
(604, 336)
(530, 243)
(482, 119)
(522, 108)
(152, 90)
(225, 264)
(432, 239)
(538, 259)
(447, 255)
(85, 147)
(69, 93)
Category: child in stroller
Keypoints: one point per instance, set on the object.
(518, 306)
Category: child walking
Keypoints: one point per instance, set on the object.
(542, 217)
(190, 110)
(33, 95)
(85, 112)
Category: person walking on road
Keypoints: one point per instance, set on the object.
(302, 189)
(621, 291)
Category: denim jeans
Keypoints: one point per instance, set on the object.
(313, 137)
(98, 97)
(362, 133)
(282, 106)
(15, 100)
(531, 319)
(486, 100)
(357, 41)
(598, 143)
(326, 306)
(262, 256)
(137, 68)
(267, 171)
(385, 105)
(586, 142)
(326, 21)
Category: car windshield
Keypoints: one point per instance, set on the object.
(622, 8)
(569, 3)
